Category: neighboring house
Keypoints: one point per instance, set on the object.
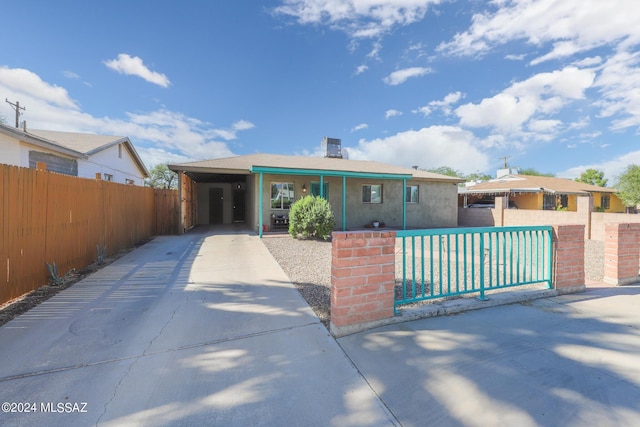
(539, 192)
(258, 189)
(78, 154)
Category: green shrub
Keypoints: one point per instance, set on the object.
(311, 216)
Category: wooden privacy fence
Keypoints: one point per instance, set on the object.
(47, 217)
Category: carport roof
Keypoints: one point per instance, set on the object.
(274, 163)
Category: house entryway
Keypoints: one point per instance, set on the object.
(216, 206)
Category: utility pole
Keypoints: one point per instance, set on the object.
(17, 109)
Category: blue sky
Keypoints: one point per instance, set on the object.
(553, 85)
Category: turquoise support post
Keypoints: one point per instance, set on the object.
(404, 204)
(344, 203)
(260, 208)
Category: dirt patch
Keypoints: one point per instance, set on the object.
(14, 308)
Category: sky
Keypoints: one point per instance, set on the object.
(552, 85)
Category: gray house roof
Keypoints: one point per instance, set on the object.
(77, 145)
(245, 165)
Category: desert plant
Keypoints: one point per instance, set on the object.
(101, 253)
(311, 216)
(56, 279)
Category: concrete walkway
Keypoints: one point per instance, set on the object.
(200, 329)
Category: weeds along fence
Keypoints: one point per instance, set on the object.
(47, 217)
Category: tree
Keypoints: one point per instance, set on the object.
(477, 176)
(162, 177)
(532, 171)
(593, 177)
(446, 170)
(628, 186)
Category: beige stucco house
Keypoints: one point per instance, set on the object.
(113, 158)
(258, 189)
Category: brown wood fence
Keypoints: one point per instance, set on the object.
(47, 217)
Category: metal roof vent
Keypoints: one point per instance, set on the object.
(332, 147)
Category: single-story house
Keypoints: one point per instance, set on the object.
(259, 189)
(540, 192)
(83, 155)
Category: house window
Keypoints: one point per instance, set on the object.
(119, 151)
(315, 189)
(554, 202)
(605, 202)
(412, 194)
(107, 177)
(128, 181)
(372, 193)
(282, 195)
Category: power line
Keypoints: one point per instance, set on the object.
(16, 107)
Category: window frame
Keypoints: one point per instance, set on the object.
(605, 201)
(370, 193)
(409, 193)
(290, 187)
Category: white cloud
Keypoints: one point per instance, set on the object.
(540, 95)
(619, 85)
(159, 136)
(134, 66)
(612, 168)
(358, 18)
(27, 87)
(359, 127)
(401, 76)
(392, 113)
(361, 69)
(568, 26)
(423, 110)
(428, 147)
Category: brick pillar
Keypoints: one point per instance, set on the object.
(568, 268)
(621, 253)
(362, 279)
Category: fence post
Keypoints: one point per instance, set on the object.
(568, 268)
(362, 279)
(621, 253)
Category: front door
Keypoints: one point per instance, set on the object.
(216, 205)
(239, 205)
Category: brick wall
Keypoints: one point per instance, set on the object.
(568, 269)
(362, 277)
(621, 253)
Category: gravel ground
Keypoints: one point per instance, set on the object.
(308, 265)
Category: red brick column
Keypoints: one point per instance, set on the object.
(568, 269)
(621, 253)
(362, 279)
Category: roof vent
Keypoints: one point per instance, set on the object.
(332, 147)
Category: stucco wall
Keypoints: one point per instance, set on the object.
(436, 208)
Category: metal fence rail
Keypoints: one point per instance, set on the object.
(441, 263)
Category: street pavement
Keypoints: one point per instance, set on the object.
(206, 329)
(572, 360)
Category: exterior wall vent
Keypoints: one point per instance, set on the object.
(332, 147)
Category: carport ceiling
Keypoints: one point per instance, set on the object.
(205, 178)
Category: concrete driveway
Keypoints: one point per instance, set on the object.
(200, 329)
(565, 361)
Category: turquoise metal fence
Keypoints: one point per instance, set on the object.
(442, 263)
